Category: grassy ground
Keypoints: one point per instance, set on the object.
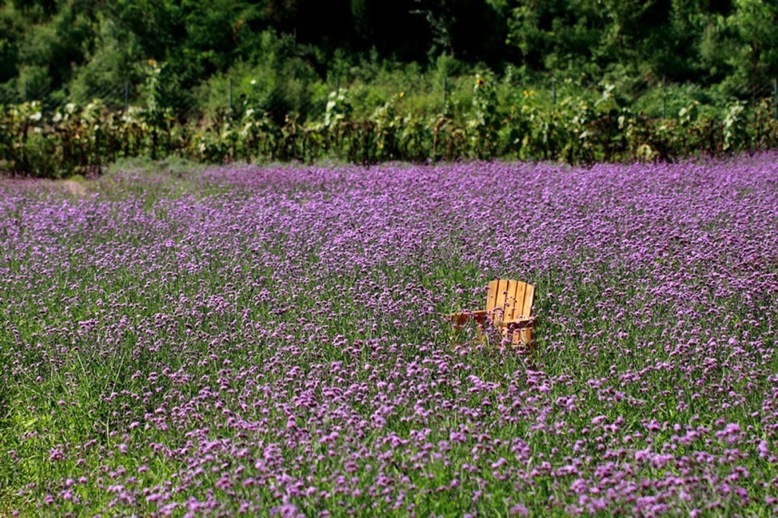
(269, 340)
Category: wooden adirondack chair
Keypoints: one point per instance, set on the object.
(508, 308)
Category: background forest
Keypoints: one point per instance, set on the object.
(281, 50)
(580, 80)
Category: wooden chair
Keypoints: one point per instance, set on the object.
(508, 308)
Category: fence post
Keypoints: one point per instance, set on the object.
(445, 93)
(775, 98)
(230, 94)
(553, 92)
(664, 97)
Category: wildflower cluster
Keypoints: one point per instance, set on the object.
(271, 340)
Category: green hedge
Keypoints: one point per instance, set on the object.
(82, 139)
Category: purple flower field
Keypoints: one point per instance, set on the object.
(270, 341)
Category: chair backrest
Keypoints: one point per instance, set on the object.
(513, 298)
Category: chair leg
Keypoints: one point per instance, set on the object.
(522, 337)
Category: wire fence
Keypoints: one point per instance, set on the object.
(547, 119)
(657, 97)
(663, 98)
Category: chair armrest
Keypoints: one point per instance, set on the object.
(519, 323)
(461, 317)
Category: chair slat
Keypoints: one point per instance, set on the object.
(502, 296)
(510, 299)
(518, 301)
(529, 298)
(491, 299)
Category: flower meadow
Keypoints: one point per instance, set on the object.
(271, 341)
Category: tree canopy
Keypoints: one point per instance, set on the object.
(77, 47)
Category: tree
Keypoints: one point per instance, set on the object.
(754, 23)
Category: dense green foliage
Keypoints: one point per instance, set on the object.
(84, 82)
(83, 48)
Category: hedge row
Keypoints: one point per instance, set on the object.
(81, 140)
